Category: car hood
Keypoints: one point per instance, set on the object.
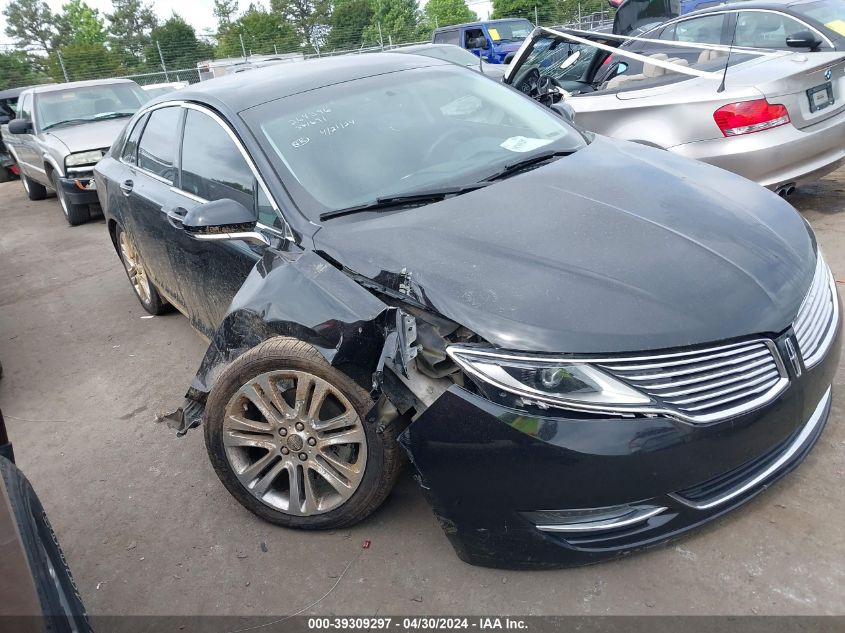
(618, 247)
(87, 136)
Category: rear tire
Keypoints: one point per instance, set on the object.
(60, 601)
(35, 190)
(136, 271)
(75, 214)
(287, 436)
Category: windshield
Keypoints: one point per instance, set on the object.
(448, 53)
(400, 133)
(831, 13)
(510, 31)
(548, 54)
(77, 105)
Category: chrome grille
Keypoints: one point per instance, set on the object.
(707, 385)
(818, 316)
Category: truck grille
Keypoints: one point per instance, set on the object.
(707, 385)
(818, 316)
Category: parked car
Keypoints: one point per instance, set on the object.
(647, 343)
(62, 130)
(157, 90)
(494, 40)
(37, 591)
(8, 106)
(776, 118)
(456, 55)
(808, 25)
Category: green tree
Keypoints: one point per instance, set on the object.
(348, 21)
(85, 60)
(263, 33)
(79, 23)
(130, 23)
(224, 10)
(16, 69)
(447, 12)
(180, 47)
(30, 23)
(310, 18)
(394, 21)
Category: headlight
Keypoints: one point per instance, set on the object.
(560, 382)
(84, 158)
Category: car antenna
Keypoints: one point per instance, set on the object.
(721, 87)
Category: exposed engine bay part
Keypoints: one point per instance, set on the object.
(358, 325)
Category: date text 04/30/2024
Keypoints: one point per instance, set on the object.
(418, 623)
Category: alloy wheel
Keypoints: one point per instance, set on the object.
(134, 268)
(295, 442)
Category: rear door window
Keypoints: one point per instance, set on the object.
(704, 30)
(448, 37)
(157, 149)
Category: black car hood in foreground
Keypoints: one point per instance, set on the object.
(616, 248)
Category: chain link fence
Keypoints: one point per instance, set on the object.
(210, 57)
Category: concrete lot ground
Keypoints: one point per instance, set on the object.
(148, 529)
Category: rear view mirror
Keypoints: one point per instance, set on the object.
(565, 111)
(20, 126)
(223, 220)
(803, 39)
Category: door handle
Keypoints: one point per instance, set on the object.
(175, 215)
(126, 187)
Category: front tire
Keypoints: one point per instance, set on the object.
(286, 434)
(34, 190)
(75, 214)
(136, 271)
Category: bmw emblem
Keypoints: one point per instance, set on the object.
(828, 73)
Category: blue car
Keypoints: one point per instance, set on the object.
(495, 41)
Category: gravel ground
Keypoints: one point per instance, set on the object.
(148, 529)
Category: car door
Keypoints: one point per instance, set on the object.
(24, 145)
(147, 186)
(214, 167)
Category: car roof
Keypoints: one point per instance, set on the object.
(478, 23)
(260, 85)
(77, 84)
(749, 4)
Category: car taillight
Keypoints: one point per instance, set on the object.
(750, 116)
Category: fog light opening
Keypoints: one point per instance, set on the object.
(580, 521)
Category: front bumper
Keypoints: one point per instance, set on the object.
(781, 156)
(80, 189)
(487, 470)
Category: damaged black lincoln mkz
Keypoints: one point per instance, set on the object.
(585, 346)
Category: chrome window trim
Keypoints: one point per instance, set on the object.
(287, 233)
(797, 444)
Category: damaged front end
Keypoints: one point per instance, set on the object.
(515, 480)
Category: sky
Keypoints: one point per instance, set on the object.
(198, 13)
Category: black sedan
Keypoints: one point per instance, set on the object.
(584, 346)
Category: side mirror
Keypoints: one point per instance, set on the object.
(20, 126)
(565, 111)
(222, 220)
(803, 39)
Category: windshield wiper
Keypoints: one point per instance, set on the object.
(68, 122)
(513, 168)
(112, 115)
(417, 198)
